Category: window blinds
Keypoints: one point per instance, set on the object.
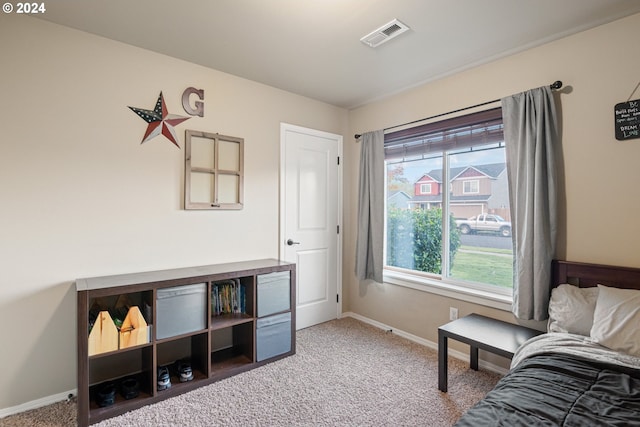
(470, 130)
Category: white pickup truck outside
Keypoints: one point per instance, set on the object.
(484, 222)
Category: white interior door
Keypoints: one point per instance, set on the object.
(311, 184)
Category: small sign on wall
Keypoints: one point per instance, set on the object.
(627, 120)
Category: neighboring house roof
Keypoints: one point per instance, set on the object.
(492, 170)
(436, 174)
(397, 193)
(436, 178)
(398, 199)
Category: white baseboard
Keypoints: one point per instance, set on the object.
(430, 344)
(38, 403)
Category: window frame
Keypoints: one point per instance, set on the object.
(446, 288)
(424, 186)
(442, 284)
(471, 191)
(216, 172)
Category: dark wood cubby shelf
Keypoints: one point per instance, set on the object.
(228, 320)
(225, 345)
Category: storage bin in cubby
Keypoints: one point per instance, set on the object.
(181, 310)
(273, 336)
(274, 293)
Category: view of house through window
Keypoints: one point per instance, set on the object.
(447, 204)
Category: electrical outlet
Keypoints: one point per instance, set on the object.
(453, 313)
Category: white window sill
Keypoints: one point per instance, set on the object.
(450, 290)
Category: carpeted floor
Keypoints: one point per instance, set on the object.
(345, 373)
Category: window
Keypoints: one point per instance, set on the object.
(471, 186)
(438, 233)
(425, 188)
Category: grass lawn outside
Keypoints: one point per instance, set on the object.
(484, 265)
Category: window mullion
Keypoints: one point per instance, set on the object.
(445, 215)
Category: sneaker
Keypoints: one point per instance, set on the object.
(106, 395)
(164, 379)
(130, 388)
(184, 370)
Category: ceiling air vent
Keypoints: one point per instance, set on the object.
(384, 33)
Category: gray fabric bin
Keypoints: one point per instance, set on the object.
(180, 310)
(274, 293)
(273, 336)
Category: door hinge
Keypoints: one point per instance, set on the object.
(338, 231)
(337, 298)
(338, 160)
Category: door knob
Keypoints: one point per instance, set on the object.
(291, 242)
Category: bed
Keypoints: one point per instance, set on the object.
(585, 371)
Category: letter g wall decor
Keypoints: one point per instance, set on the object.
(161, 122)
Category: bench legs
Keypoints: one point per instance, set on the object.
(473, 356)
(443, 358)
(442, 362)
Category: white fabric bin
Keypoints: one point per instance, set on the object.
(274, 293)
(180, 310)
(273, 336)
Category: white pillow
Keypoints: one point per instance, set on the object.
(616, 320)
(571, 309)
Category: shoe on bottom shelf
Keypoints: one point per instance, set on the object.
(184, 370)
(106, 395)
(130, 388)
(164, 379)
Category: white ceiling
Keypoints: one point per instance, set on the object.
(313, 48)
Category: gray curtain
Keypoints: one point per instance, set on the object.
(531, 139)
(370, 239)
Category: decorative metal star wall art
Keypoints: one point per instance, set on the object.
(160, 121)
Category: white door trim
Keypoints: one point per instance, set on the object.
(281, 244)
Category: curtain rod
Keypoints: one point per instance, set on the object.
(555, 85)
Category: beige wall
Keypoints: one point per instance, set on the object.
(80, 196)
(600, 204)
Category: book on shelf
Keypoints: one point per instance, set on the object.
(228, 297)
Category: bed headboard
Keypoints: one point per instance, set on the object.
(586, 275)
